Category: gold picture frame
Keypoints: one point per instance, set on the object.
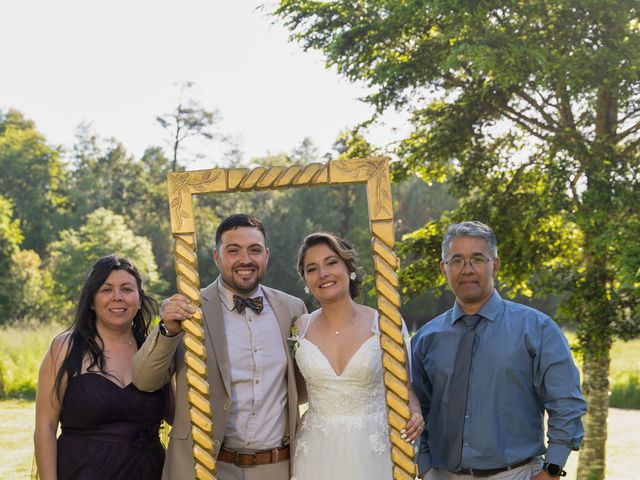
(374, 172)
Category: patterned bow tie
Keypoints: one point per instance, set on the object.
(240, 303)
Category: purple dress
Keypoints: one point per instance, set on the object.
(110, 432)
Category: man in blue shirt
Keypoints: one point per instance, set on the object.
(512, 364)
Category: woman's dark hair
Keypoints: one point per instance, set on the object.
(342, 248)
(83, 333)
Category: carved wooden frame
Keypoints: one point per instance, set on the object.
(374, 172)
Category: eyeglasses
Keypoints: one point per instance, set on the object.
(475, 261)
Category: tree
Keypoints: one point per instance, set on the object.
(105, 175)
(104, 233)
(531, 112)
(189, 119)
(10, 239)
(10, 233)
(33, 297)
(33, 177)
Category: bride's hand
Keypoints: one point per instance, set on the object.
(413, 428)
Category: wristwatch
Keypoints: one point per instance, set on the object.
(554, 470)
(164, 331)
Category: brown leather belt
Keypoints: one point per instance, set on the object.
(492, 471)
(248, 458)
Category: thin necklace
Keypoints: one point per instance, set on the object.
(353, 315)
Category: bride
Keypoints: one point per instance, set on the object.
(344, 434)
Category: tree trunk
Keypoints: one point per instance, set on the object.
(594, 306)
(591, 465)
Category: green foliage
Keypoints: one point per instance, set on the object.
(104, 175)
(10, 233)
(33, 178)
(625, 393)
(33, 298)
(625, 374)
(103, 233)
(22, 350)
(116, 181)
(529, 110)
(10, 239)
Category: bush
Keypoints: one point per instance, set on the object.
(625, 392)
(21, 352)
(33, 299)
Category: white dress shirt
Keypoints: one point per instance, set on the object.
(258, 369)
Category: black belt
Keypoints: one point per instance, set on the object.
(474, 472)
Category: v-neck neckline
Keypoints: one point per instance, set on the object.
(373, 335)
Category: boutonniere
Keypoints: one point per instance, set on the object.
(293, 341)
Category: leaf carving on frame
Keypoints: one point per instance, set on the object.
(177, 188)
(206, 182)
(359, 172)
(383, 193)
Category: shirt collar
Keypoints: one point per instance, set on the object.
(226, 294)
(489, 310)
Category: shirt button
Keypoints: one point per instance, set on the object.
(255, 350)
(257, 382)
(466, 444)
(216, 443)
(253, 414)
(467, 417)
(226, 407)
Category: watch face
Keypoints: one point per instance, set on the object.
(163, 330)
(553, 469)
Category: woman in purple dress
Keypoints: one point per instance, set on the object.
(109, 429)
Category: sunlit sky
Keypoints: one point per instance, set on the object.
(115, 64)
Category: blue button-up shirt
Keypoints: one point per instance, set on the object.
(521, 367)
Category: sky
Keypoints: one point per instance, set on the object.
(116, 64)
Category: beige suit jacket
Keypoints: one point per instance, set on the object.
(160, 357)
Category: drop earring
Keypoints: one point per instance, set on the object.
(306, 290)
(352, 276)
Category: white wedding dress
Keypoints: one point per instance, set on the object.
(344, 434)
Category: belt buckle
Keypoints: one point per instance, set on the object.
(236, 459)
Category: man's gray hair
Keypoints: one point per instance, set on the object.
(469, 229)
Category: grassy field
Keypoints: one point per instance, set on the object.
(21, 351)
(16, 437)
(16, 421)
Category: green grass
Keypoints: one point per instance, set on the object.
(17, 421)
(21, 352)
(624, 376)
(624, 372)
(16, 437)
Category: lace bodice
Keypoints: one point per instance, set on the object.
(352, 399)
(358, 390)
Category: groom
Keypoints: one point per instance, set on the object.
(250, 373)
